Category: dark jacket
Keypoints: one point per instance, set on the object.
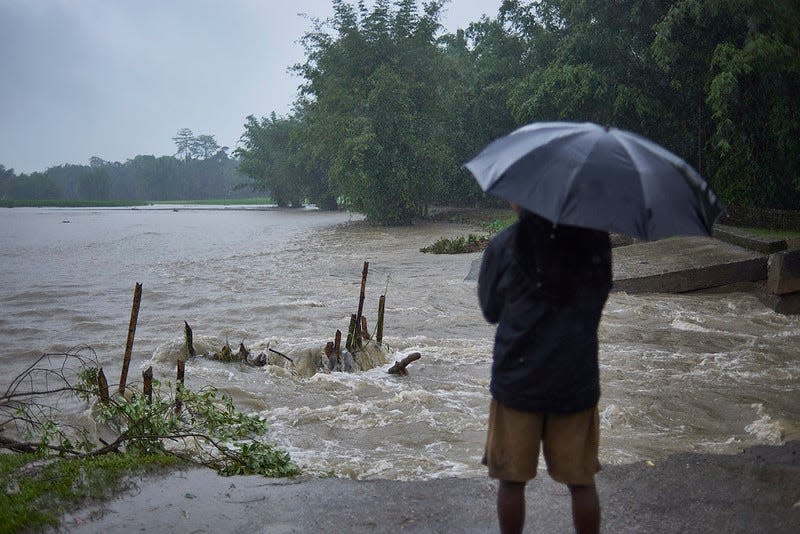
(545, 287)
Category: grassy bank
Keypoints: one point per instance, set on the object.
(70, 203)
(266, 201)
(36, 492)
(773, 234)
(491, 221)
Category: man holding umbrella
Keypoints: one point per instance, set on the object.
(545, 279)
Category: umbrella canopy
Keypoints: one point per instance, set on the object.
(583, 174)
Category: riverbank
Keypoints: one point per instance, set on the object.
(757, 490)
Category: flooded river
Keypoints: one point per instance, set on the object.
(709, 373)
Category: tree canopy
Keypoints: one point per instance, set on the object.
(202, 170)
(391, 107)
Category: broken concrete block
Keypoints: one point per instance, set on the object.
(783, 272)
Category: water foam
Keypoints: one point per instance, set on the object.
(764, 428)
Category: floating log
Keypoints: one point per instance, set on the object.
(187, 331)
(361, 299)
(147, 384)
(399, 368)
(102, 385)
(137, 298)
(379, 323)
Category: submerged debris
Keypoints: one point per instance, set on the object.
(362, 350)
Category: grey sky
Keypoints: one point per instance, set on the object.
(117, 78)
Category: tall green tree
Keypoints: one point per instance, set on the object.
(185, 143)
(94, 184)
(265, 156)
(373, 107)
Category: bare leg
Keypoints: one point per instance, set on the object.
(511, 506)
(585, 509)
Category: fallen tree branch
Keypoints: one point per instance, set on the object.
(281, 354)
(399, 368)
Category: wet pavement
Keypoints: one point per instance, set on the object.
(754, 491)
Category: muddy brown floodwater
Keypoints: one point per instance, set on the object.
(711, 373)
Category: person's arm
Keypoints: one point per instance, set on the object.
(488, 279)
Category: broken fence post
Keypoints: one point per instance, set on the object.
(337, 346)
(379, 324)
(147, 384)
(102, 386)
(361, 299)
(351, 332)
(179, 385)
(187, 331)
(364, 332)
(330, 353)
(137, 298)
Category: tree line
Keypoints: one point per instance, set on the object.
(200, 169)
(390, 106)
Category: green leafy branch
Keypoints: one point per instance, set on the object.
(202, 427)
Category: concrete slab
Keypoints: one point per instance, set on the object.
(684, 264)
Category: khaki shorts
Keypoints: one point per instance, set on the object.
(570, 441)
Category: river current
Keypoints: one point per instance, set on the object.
(710, 373)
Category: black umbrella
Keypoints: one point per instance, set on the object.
(582, 174)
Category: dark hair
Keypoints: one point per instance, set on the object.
(562, 260)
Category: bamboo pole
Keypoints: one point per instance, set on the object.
(187, 332)
(102, 385)
(147, 384)
(379, 324)
(361, 301)
(137, 298)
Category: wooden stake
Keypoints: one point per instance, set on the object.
(361, 299)
(187, 331)
(351, 332)
(337, 345)
(331, 355)
(147, 386)
(379, 324)
(102, 385)
(364, 333)
(179, 385)
(137, 298)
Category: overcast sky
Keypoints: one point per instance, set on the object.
(118, 78)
